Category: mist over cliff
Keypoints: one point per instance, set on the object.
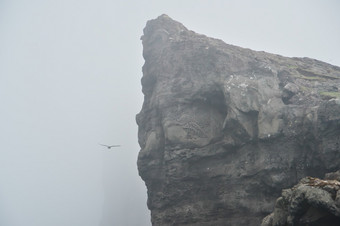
(224, 129)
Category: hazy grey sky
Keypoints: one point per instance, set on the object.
(70, 78)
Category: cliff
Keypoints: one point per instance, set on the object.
(224, 129)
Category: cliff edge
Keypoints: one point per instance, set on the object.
(224, 129)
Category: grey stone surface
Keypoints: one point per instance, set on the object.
(224, 129)
(312, 202)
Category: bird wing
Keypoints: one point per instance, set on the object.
(109, 146)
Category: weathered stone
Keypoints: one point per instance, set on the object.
(224, 129)
(311, 202)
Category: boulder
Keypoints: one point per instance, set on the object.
(312, 202)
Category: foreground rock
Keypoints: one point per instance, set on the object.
(312, 202)
(224, 129)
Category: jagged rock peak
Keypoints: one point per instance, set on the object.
(163, 23)
(224, 129)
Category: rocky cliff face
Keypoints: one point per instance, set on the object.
(224, 129)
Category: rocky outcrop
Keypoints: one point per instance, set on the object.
(224, 129)
(311, 202)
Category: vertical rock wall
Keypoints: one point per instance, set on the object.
(223, 129)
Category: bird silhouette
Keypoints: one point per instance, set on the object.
(109, 146)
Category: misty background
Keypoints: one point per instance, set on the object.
(70, 78)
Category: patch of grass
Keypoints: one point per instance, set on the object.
(330, 94)
(311, 77)
(292, 66)
(305, 89)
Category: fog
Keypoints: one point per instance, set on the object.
(70, 79)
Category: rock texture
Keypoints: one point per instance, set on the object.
(312, 202)
(224, 129)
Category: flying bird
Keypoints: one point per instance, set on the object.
(110, 146)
